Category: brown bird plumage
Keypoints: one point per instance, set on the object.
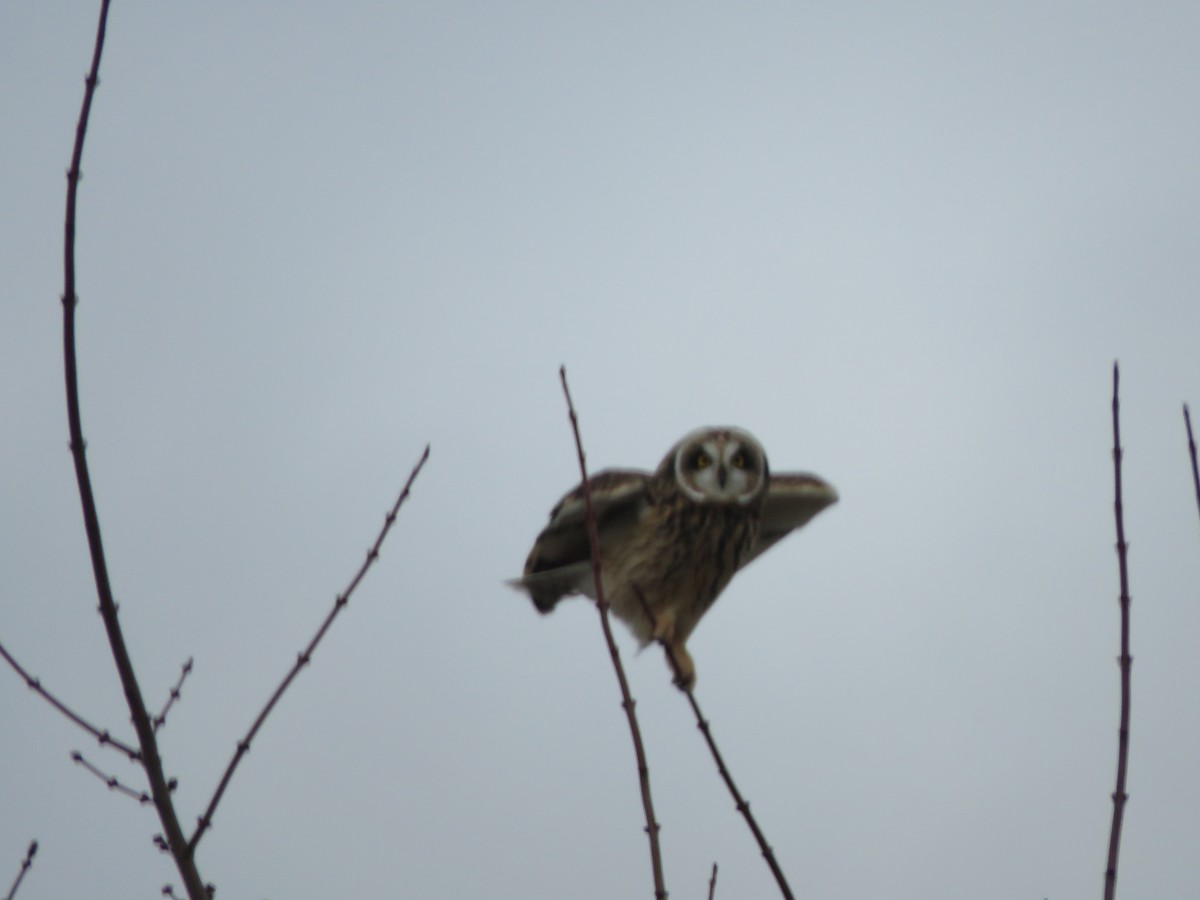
(677, 536)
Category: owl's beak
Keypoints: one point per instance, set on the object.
(722, 475)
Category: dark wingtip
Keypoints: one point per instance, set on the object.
(543, 601)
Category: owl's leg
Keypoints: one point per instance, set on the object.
(665, 633)
(685, 674)
(664, 626)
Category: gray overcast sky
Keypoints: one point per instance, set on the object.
(901, 243)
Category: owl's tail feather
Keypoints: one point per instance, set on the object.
(546, 588)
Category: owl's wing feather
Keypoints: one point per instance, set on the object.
(559, 562)
(549, 586)
(613, 491)
(793, 498)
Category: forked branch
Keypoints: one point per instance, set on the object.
(1125, 660)
(740, 802)
(144, 725)
(627, 701)
(305, 656)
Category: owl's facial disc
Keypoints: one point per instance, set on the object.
(721, 465)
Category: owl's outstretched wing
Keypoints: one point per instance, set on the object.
(560, 561)
(793, 498)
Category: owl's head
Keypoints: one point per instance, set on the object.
(718, 465)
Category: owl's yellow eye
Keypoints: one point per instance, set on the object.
(703, 461)
(739, 460)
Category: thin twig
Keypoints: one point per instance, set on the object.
(161, 718)
(305, 656)
(151, 761)
(627, 701)
(103, 737)
(1187, 420)
(1126, 661)
(111, 781)
(25, 864)
(740, 803)
(712, 883)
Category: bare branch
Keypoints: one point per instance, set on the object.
(627, 702)
(305, 656)
(1125, 660)
(111, 780)
(740, 803)
(150, 759)
(712, 883)
(161, 718)
(103, 737)
(26, 863)
(1187, 421)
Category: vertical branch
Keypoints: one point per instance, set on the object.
(627, 702)
(1187, 421)
(1126, 661)
(91, 519)
(712, 883)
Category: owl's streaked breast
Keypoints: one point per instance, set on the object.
(680, 555)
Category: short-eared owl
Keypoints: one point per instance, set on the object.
(676, 536)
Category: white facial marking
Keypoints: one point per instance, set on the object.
(720, 465)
